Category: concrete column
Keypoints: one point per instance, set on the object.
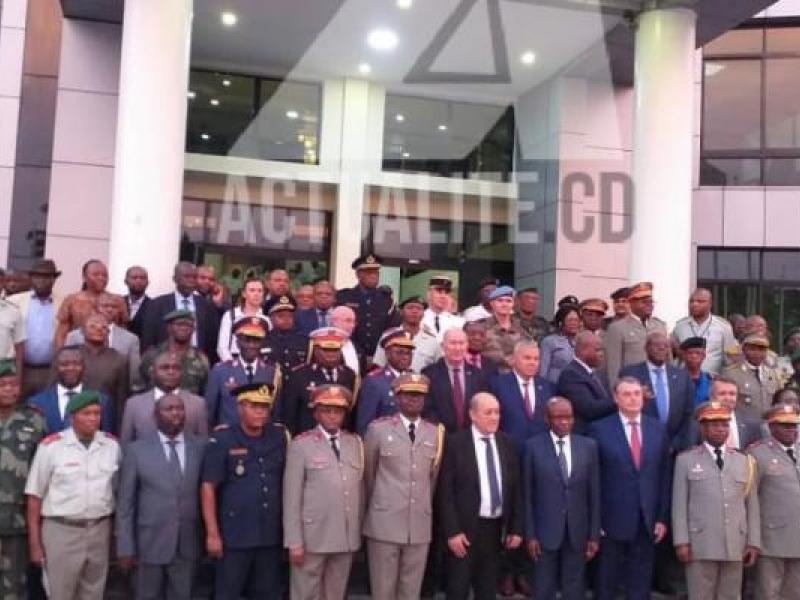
(660, 249)
(151, 129)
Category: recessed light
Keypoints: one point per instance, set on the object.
(364, 69)
(292, 114)
(382, 39)
(228, 18)
(214, 102)
(205, 136)
(191, 94)
(403, 3)
(226, 82)
(406, 154)
(399, 118)
(442, 127)
(527, 58)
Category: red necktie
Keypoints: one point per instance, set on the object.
(636, 444)
(527, 399)
(458, 397)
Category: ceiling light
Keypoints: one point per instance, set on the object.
(406, 154)
(527, 58)
(403, 3)
(192, 95)
(382, 39)
(442, 127)
(205, 136)
(364, 69)
(399, 118)
(292, 114)
(214, 102)
(228, 18)
(226, 82)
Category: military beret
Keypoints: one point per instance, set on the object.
(283, 303)
(331, 394)
(693, 342)
(755, 339)
(619, 293)
(790, 333)
(329, 338)
(82, 400)
(8, 368)
(181, 313)
(503, 290)
(397, 337)
(712, 411)
(410, 383)
(643, 289)
(255, 327)
(414, 300)
(594, 304)
(441, 282)
(569, 300)
(782, 413)
(257, 393)
(367, 261)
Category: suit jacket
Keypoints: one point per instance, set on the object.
(307, 320)
(23, 302)
(716, 512)
(227, 375)
(513, 418)
(322, 496)
(157, 517)
(124, 342)
(439, 401)
(681, 400)
(624, 342)
(630, 494)
(47, 402)
(591, 399)
(459, 492)
(138, 420)
(154, 330)
(136, 325)
(557, 510)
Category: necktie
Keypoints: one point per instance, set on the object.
(719, 461)
(436, 323)
(636, 444)
(458, 397)
(790, 454)
(757, 374)
(526, 399)
(562, 460)
(174, 461)
(335, 448)
(412, 432)
(185, 303)
(323, 318)
(661, 395)
(249, 370)
(491, 469)
(66, 418)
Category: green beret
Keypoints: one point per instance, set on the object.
(7, 367)
(82, 400)
(178, 314)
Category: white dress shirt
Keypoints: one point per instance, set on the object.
(63, 398)
(180, 448)
(158, 393)
(627, 428)
(406, 422)
(350, 356)
(713, 454)
(567, 449)
(733, 434)
(531, 391)
(328, 437)
(483, 474)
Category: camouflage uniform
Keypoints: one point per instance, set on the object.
(535, 328)
(19, 435)
(500, 342)
(194, 368)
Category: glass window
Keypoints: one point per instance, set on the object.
(783, 39)
(781, 266)
(782, 117)
(736, 42)
(782, 171)
(732, 105)
(730, 171)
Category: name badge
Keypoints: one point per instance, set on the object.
(238, 451)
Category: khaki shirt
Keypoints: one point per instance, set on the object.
(74, 481)
(12, 328)
(717, 333)
(427, 350)
(624, 342)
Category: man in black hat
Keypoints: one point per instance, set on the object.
(693, 354)
(375, 310)
(483, 309)
(284, 345)
(38, 310)
(620, 306)
(427, 349)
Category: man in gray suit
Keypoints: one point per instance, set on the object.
(715, 514)
(158, 517)
(778, 486)
(402, 454)
(137, 420)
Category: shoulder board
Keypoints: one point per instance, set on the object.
(732, 450)
(758, 443)
(51, 438)
(110, 436)
(221, 427)
(230, 361)
(298, 367)
(375, 371)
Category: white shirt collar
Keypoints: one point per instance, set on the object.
(555, 438)
(62, 391)
(158, 393)
(521, 381)
(406, 421)
(584, 365)
(164, 439)
(712, 451)
(625, 420)
(478, 436)
(654, 367)
(328, 436)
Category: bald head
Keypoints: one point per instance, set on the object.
(700, 304)
(344, 318)
(589, 349)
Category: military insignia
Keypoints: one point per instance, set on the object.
(389, 438)
(231, 383)
(239, 470)
(238, 451)
(697, 468)
(28, 429)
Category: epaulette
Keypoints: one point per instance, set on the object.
(383, 419)
(111, 436)
(758, 443)
(51, 438)
(306, 434)
(298, 367)
(374, 370)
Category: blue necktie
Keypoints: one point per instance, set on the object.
(661, 395)
(494, 485)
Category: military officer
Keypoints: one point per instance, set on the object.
(194, 363)
(715, 515)
(247, 367)
(593, 312)
(242, 477)
(285, 346)
(327, 366)
(625, 338)
(437, 316)
(778, 486)
(376, 397)
(71, 484)
(21, 428)
(322, 499)
(756, 383)
(427, 349)
(402, 457)
(620, 306)
(503, 330)
(374, 308)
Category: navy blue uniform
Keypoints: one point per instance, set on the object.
(228, 375)
(375, 313)
(248, 474)
(287, 349)
(376, 399)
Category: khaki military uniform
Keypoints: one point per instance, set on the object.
(76, 486)
(500, 342)
(427, 350)
(19, 435)
(194, 368)
(755, 394)
(322, 511)
(624, 342)
(778, 486)
(715, 512)
(399, 477)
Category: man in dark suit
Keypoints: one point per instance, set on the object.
(479, 501)
(154, 330)
(668, 391)
(453, 382)
(158, 517)
(308, 319)
(635, 475)
(136, 280)
(52, 401)
(584, 385)
(476, 344)
(561, 485)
